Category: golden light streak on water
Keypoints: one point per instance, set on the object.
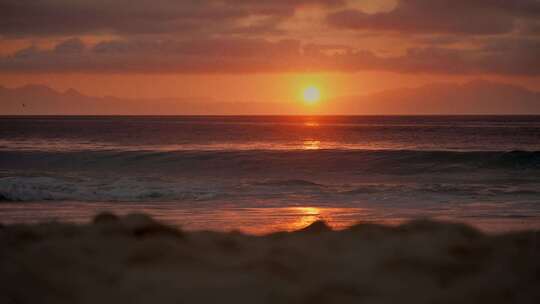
(311, 145)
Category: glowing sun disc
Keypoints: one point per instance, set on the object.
(311, 95)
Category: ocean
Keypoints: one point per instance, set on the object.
(260, 174)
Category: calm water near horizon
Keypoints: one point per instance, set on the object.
(267, 173)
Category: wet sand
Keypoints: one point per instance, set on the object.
(134, 259)
(193, 216)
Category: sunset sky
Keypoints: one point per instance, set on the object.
(251, 50)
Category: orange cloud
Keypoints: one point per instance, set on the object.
(251, 36)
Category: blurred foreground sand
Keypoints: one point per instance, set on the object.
(134, 259)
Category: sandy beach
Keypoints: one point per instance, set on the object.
(134, 259)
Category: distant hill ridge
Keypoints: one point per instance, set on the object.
(474, 97)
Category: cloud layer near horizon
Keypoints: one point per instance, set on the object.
(249, 36)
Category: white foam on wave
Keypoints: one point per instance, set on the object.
(86, 189)
(255, 192)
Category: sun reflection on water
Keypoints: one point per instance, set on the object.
(311, 145)
(311, 124)
(305, 217)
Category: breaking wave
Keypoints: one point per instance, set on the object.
(13, 189)
(255, 175)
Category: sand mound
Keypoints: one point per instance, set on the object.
(134, 259)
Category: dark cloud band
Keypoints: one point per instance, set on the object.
(515, 57)
(479, 17)
(72, 17)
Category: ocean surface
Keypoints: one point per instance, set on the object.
(265, 173)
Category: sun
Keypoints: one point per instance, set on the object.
(311, 95)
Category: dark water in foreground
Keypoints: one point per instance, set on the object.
(261, 174)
